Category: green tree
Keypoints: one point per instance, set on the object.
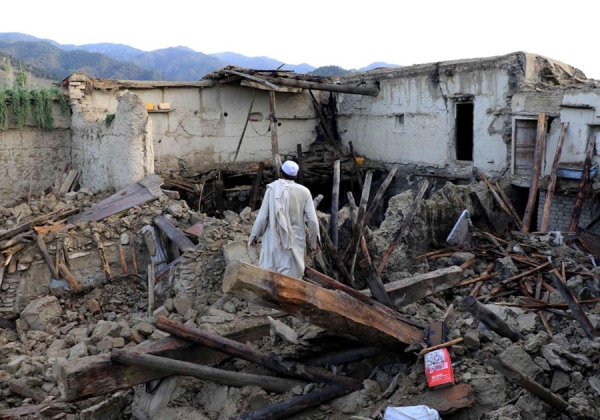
(326, 71)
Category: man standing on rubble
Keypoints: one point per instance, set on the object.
(281, 224)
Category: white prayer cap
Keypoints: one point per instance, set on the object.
(290, 167)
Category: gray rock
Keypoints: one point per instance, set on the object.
(182, 304)
(41, 312)
(15, 364)
(560, 381)
(534, 342)
(551, 352)
(124, 238)
(160, 311)
(506, 267)
(471, 338)
(460, 258)
(78, 350)
(518, 358)
(175, 210)
(144, 328)
(56, 348)
(526, 322)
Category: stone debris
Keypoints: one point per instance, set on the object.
(55, 327)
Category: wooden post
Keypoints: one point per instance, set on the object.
(136, 268)
(335, 255)
(553, 177)
(295, 404)
(326, 129)
(508, 203)
(300, 164)
(274, 141)
(585, 175)
(490, 319)
(335, 202)
(175, 235)
(150, 289)
(335, 311)
(360, 220)
(97, 375)
(42, 245)
(246, 352)
(220, 376)
(498, 199)
(245, 126)
(256, 186)
(535, 172)
(219, 199)
(355, 165)
(407, 219)
(525, 382)
(105, 267)
(575, 307)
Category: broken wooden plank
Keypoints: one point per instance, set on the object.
(491, 320)
(219, 376)
(498, 199)
(68, 276)
(245, 126)
(141, 192)
(508, 203)
(360, 221)
(68, 182)
(482, 212)
(355, 166)
(19, 388)
(328, 309)
(328, 87)
(335, 203)
(342, 357)
(246, 352)
(175, 235)
(274, 141)
(535, 172)
(574, 306)
(380, 193)
(98, 375)
(57, 215)
(407, 219)
(295, 404)
(441, 346)
(10, 413)
(44, 250)
(405, 291)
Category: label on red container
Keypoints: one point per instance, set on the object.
(438, 369)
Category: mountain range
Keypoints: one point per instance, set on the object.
(117, 61)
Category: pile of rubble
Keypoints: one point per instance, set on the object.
(154, 278)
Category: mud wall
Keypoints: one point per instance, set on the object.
(204, 125)
(111, 152)
(412, 120)
(31, 156)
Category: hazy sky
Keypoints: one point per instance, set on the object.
(351, 34)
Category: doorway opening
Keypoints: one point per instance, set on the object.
(464, 131)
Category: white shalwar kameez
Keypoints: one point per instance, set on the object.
(280, 222)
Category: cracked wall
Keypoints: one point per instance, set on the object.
(204, 125)
(31, 157)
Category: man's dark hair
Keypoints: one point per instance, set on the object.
(286, 176)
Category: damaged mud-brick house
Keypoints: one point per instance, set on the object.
(134, 210)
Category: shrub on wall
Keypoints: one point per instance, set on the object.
(21, 102)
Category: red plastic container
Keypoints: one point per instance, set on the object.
(438, 369)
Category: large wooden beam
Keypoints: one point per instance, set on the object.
(98, 375)
(333, 310)
(328, 87)
(412, 289)
(585, 175)
(175, 235)
(553, 177)
(219, 376)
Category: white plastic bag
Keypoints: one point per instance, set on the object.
(417, 412)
